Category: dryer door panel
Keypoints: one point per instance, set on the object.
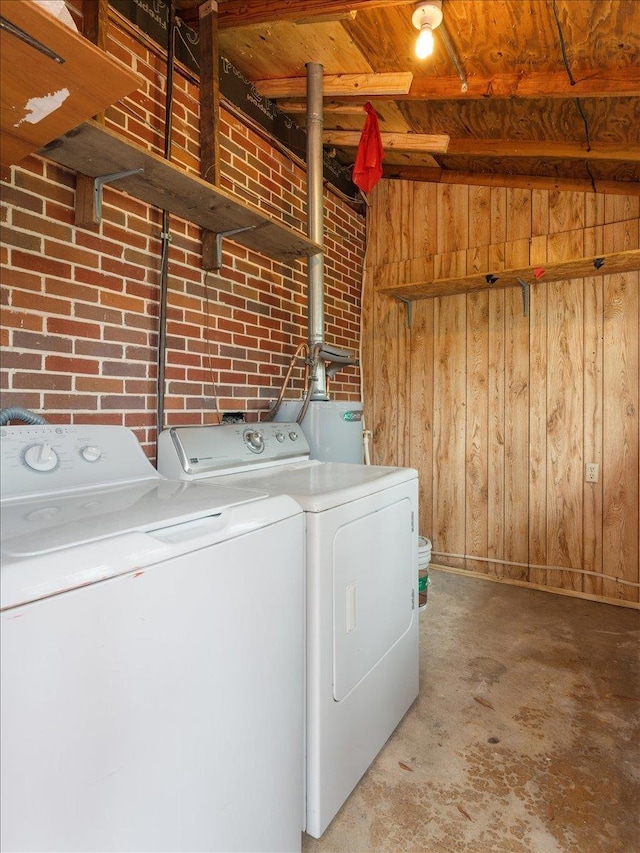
(373, 581)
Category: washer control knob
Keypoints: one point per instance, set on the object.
(41, 457)
(254, 440)
(293, 435)
(91, 453)
(280, 436)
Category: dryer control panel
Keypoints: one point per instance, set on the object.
(226, 448)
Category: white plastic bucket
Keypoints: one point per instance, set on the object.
(424, 552)
(424, 558)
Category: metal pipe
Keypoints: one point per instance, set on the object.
(165, 236)
(315, 231)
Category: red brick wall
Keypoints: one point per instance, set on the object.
(79, 323)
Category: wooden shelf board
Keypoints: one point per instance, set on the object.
(617, 262)
(93, 79)
(93, 150)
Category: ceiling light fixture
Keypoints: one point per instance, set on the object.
(426, 17)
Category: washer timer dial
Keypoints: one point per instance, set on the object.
(254, 440)
(41, 457)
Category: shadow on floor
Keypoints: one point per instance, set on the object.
(524, 739)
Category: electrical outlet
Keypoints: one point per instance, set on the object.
(592, 472)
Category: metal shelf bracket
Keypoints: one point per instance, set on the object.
(99, 182)
(220, 235)
(525, 296)
(409, 306)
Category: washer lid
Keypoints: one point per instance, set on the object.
(318, 486)
(31, 527)
(66, 545)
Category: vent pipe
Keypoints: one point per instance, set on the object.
(315, 231)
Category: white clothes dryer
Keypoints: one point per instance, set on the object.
(361, 576)
(150, 701)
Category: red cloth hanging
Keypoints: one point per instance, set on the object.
(367, 169)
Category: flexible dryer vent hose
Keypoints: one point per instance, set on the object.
(15, 413)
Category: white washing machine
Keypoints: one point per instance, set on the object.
(361, 574)
(152, 675)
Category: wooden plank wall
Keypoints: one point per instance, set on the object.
(498, 411)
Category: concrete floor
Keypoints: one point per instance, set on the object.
(524, 739)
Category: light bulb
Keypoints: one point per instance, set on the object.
(424, 44)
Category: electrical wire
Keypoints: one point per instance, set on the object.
(583, 115)
(591, 178)
(207, 342)
(302, 352)
(563, 46)
(165, 235)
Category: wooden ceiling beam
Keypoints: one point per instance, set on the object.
(339, 85)
(239, 13)
(543, 150)
(589, 83)
(598, 83)
(327, 18)
(435, 144)
(427, 174)
(328, 106)
(431, 143)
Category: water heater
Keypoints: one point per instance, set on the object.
(333, 428)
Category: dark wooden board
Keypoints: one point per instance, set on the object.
(93, 150)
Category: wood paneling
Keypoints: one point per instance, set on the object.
(593, 405)
(421, 399)
(620, 452)
(518, 228)
(538, 435)
(565, 428)
(477, 458)
(496, 433)
(449, 426)
(498, 411)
